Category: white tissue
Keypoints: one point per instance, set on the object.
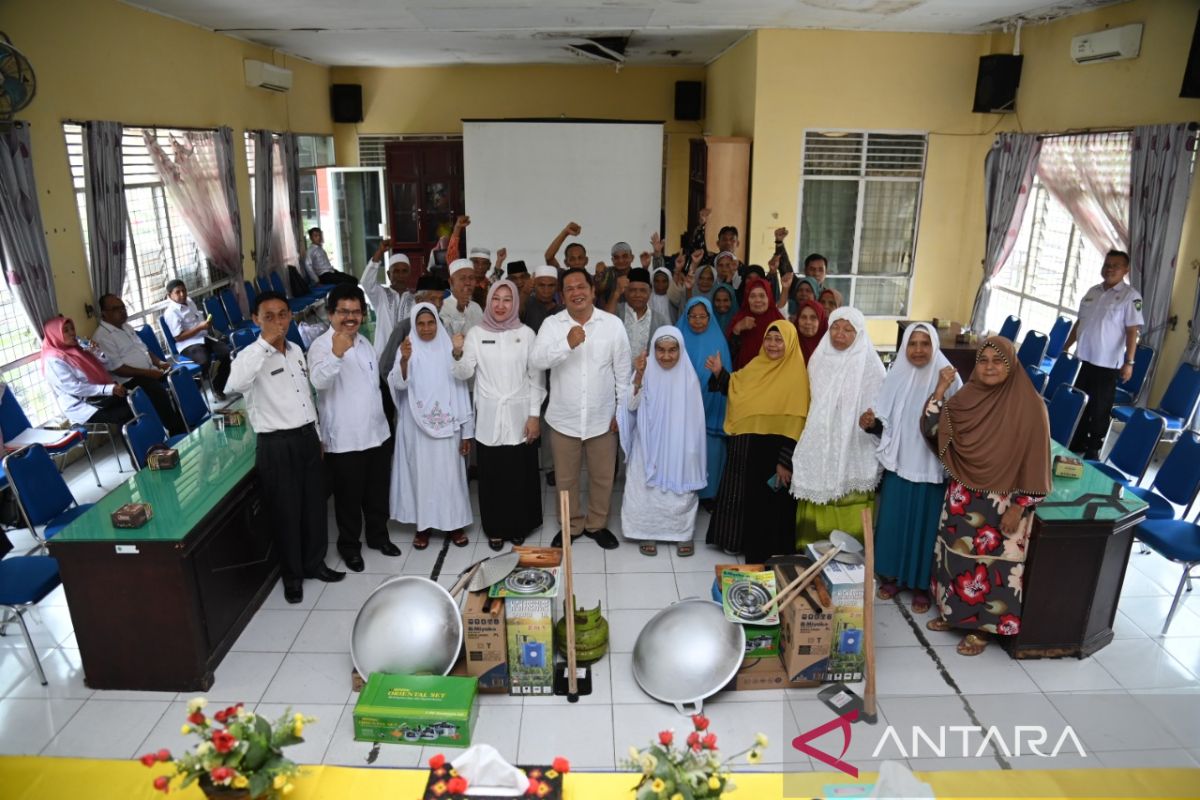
(487, 773)
(897, 781)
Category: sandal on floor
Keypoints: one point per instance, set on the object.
(685, 549)
(937, 624)
(921, 603)
(972, 645)
(459, 538)
(648, 549)
(887, 590)
(496, 544)
(421, 540)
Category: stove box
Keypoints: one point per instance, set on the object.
(765, 673)
(485, 643)
(529, 630)
(422, 710)
(805, 629)
(847, 658)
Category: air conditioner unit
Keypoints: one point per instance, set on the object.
(1110, 45)
(261, 75)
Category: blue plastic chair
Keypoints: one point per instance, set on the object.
(42, 495)
(1176, 482)
(234, 312)
(1037, 378)
(295, 303)
(140, 403)
(263, 284)
(14, 422)
(242, 338)
(1127, 391)
(1178, 403)
(1054, 343)
(251, 296)
(146, 334)
(1175, 540)
(1065, 410)
(220, 319)
(24, 582)
(1063, 373)
(1010, 328)
(1032, 349)
(142, 433)
(1130, 456)
(188, 400)
(293, 336)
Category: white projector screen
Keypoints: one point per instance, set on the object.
(526, 180)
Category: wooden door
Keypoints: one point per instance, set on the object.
(425, 189)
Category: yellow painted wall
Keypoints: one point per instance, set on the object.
(435, 100)
(101, 59)
(730, 92)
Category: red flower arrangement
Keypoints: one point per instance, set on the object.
(694, 770)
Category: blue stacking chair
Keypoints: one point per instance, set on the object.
(293, 336)
(188, 400)
(251, 295)
(1175, 540)
(242, 338)
(234, 312)
(215, 310)
(1010, 328)
(1063, 373)
(14, 422)
(142, 433)
(1176, 482)
(263, 284)
(295, 303)
(140, 403)
(1037, 378)
(146, 334)
(1065, 410)
(24, 581)
(1178, 402)
(1127, 391)
(1054, 343)
(1130, 456)
(1032, 349)
(42, 495)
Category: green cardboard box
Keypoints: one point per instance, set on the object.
(416, 709)
(761, 640)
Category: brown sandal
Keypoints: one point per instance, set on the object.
(937, 624)
(648, 549)
(920, 603)
(887, 590)
(972, 645)
(459, 538)
(421, 540)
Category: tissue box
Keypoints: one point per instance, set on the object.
(162, 457)
(233, 417)
(847, 658)
(550, 779)
(132, 515)
(425, 710)
(1068, 467)
(486, 645)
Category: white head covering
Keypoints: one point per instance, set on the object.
(439, 403)
(660, 302)
(459, 264)
(546, 271)
(397, 257)
(834, 456)
(900, 406)
(669, 422)
(480, 252)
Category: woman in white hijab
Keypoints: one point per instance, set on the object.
(660, 297)
(834, 469)
(661, 423)
(434, 429)
(914, 481)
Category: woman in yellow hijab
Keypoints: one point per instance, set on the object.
(768, 402)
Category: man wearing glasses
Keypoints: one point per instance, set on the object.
(345, 372)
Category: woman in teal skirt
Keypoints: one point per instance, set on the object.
(914, 482)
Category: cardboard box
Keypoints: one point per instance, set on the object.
(761, 640)
(804, 631)
(529, 624)
(485, 642)
(765, 673)
(847, 658)
(132, 515)
(423, 710)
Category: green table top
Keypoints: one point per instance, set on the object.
(211, 463)
(1095, 496)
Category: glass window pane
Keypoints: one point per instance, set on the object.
(888, 225)
(885, 297)
(827, 222)
(1003, 303)
(404, 200)
(832, 153)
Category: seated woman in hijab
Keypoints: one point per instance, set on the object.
(811, 323)
(768, 403)
(993, 438)
(661, 424)
(78, 374)
(834, 469)
(832, 299)
(434, 428)
(750, 323)
(701, 338)
(914, 481)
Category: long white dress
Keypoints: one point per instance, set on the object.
(648, 512)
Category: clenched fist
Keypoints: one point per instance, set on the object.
(746, 323)
(406, 349)
(867, 419)
(457, 341)
(575, 336)
(573, 228)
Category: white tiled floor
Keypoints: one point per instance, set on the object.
(1136, 702)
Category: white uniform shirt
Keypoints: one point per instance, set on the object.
(278, 396)
(508, 388)
(391, 308)
(72, 388)
(316, 263)
(122, 347)
(1104, 314)
(585, 382)
(181, 318)
(460, 321)
(348, 396)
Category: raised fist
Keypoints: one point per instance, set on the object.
(457, 341)
(645, 260)
(406, 349)
(575, 336)
(781, 234)
(573, 228)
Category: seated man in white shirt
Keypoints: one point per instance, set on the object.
(132, 363)
(317, 267)
(191, 330)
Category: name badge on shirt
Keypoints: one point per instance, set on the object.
(488, 341)
(277, 371)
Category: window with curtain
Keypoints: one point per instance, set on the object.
(19, 354)
(160, 246)
(314, 151)
(860, 197)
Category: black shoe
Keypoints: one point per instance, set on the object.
(329, 575)
(603, 537)
(550, 478)
(354, 562)
(518, 541)
(387, 548)
(557, 540)
(293, 592)
(496, 544)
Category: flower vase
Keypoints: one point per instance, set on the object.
(215, 792)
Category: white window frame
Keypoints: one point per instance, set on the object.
(862, 179)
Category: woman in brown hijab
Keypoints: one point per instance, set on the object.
(993, 438)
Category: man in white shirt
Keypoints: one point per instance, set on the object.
(317, 267)
(345, 372)
(132, 363)
(587, 353)
(190, 329)
(459, 313)
(392, 302)
(634, 310)
(1110, 317)
(273, 375)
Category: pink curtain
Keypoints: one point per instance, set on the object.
(1089, 175)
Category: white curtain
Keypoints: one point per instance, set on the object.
(1089, 175)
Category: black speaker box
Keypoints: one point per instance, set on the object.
(996, 84)
(1191, 74)
(345, 102)
(689, 101)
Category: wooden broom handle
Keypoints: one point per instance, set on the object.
(564, 502)
(869, 612)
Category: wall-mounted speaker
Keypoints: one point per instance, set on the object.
(996, 84)
(689, 101)
(345, 102)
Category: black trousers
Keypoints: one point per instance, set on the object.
(161, 400)
(292, 478)
(110, 410)
(1100, 384)
(333, 277)
(211, 350)
(360, 495)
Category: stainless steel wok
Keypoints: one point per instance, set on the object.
(688, 652)
(407, 626)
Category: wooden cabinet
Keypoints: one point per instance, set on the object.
(719, 179)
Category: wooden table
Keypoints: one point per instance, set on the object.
(1075, 565)
(961, 356)
(157, 607)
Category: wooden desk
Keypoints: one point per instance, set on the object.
(1075, 565)
(157, 607)
(961, 356)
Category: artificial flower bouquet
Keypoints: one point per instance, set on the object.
(692, 771)
(240, 755)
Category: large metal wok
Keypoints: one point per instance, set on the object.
(688, 652)
(407, 626)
